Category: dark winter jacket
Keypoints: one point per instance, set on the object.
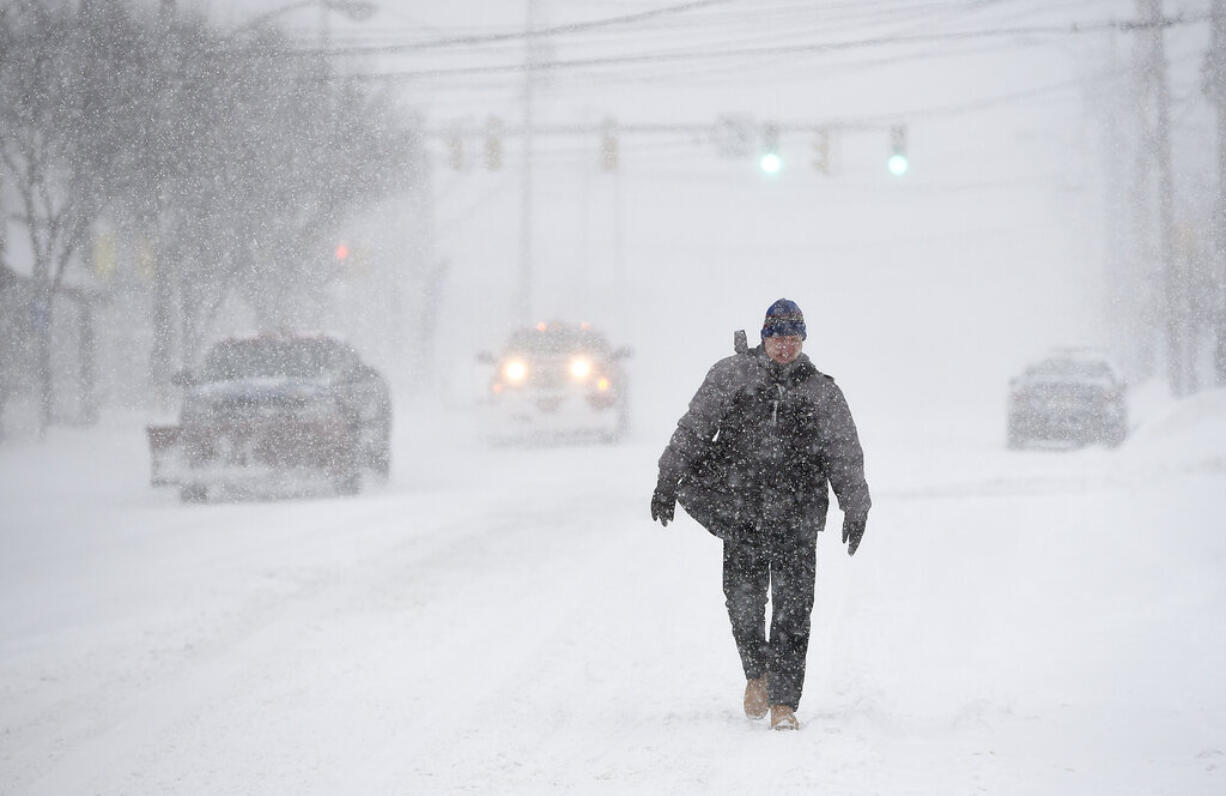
(759, 443)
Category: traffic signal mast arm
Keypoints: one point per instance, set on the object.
(734, 135)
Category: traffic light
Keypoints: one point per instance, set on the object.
(455, 151)
(104, 254)
(821, 151)
(610, 154)
(769, 161)
(493, 144)
(347, 260)
(898, 162)
(734, 136)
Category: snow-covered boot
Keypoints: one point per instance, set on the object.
(783, 718)
(755, 698)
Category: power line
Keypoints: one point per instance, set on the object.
(750, 52)
(489, 38)
(870, 123)
(758, 15)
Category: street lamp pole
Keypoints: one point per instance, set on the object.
(523, 303)
(357, 10)
(1215, 88)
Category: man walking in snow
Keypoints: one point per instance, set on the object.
(750, 461)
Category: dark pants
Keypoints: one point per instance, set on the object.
(786, 569)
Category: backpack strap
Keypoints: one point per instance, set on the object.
(740, 343)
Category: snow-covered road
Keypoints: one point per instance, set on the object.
(509, 621)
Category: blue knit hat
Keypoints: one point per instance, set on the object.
(784, 319)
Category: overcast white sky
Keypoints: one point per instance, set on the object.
(990, 249)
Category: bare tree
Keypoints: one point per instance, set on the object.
(330, 149)
(235, 160)
(264, 155)
(70, 107)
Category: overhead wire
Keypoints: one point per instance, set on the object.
(689, 139)
(572, 27)
(615, 69)
(759, 16)
(635, 68)
(754, 52)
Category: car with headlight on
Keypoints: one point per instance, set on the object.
(1071, 396)
(275, 412)
(556, 381)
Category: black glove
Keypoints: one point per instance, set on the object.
(663, 503)
(853, 531)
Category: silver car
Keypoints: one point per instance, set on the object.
(275, 412)
(1075, 397)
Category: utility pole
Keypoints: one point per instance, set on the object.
(1126, 306)
(163, 320)
(1157, 146)
(1215, 90)
(523, 296)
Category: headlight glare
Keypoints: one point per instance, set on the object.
(515, 371)
(580, 368)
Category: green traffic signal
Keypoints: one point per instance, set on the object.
(898, 163)
(769, 161)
